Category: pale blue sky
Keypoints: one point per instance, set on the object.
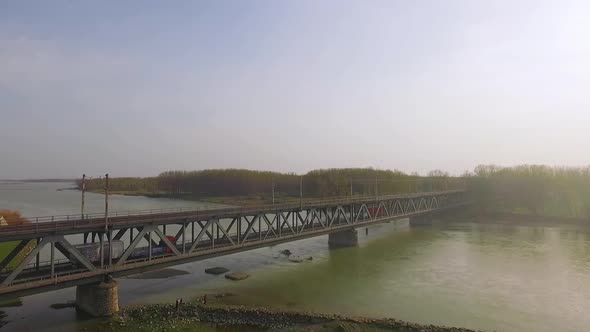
(138, 87)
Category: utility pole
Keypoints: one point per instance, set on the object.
(83, 190)
(301, 192)
(376, 191)
(273, 191)
(106, 222)
(106, 202)
(351, 195)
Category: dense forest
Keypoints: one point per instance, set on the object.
(240, 182)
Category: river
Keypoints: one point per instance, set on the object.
(482, 276)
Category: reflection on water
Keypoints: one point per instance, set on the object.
(490, 277)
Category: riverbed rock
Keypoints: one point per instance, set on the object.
(237, 276)
(286, 252)
(287, 320)
(216, 270)
(162, 317)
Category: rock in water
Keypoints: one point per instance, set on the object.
(286, 252)
(216, 270)
(295, 259)
(237, 276)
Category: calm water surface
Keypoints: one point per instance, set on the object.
(490, 277)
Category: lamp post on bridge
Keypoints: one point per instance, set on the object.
(301, 192)
(106, 225)
(106, 202)
(376, 191)
(83, 190)
(273, 190)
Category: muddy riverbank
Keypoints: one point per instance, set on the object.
(167, 315)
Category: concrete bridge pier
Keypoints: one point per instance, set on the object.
(98, 299)
(421, 220)
(345, 238)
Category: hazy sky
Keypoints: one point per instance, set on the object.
(138, 87)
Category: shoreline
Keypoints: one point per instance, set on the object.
(265, 318)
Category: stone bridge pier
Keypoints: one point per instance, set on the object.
(344, 238)
(98, 299)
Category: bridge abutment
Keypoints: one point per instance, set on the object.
(98, 299)
(345, 238)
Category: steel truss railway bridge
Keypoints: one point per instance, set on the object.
(188, 235)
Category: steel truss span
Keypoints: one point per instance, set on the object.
(86, 250)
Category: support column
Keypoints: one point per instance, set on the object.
(98, 299)
(183, 238)
(52, 258)
(110, 238)
(150, 245)
(345, 238)
(37, 257)
(101, 251)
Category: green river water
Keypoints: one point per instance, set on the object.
(483, 276)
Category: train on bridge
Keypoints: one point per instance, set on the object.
(93, 253)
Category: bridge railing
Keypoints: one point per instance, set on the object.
(42, 264)
(97, 215)
(58, 275)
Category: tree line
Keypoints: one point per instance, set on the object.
(241, 182)
(527, 189)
